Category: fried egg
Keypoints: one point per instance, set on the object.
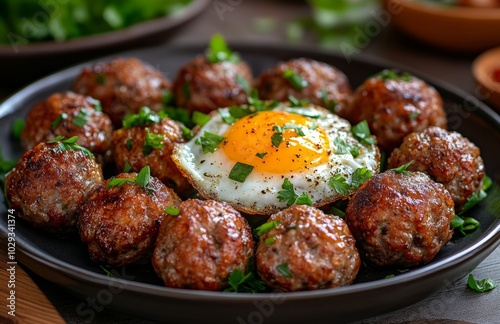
(258, 160)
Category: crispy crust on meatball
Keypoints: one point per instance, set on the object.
(396, 107)
(317, 249)
(326, 86)
(60, 114)
(128, 147)
(447, 157)
(204, 86)
(48, 184)
(120, 223)
(199, 248)
(123, 85)
(400, 220)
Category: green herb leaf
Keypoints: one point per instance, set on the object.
(248, 283)
(128, 144)
(261, 155)
(81, 119)
(178, 114)
(5, 165)
(359, 177)
(100, 79)
(17, 128)
(172, 211)
(107, 272)
(70, 144)
(473, 200)
(96, 103)
(243, 83)
(482, 285)
(209, 142)
(269, 240)
(152, 141)
(341, 146)
(464, 225)
(413, 115)
(266, 227)
(295, 79)
(362, 133)
(200, 118)
(143, 177)
(240, 172)
(297, 103)
(118, 182)
(218, 51)
(288, 194)
(304, 199)
(127, 167)
(327, 103)
(167, 97)
(403, 168)
(58, 120)
(145, 117)
(339, 184)
(298, 130)
(277, 137)
(284, 270)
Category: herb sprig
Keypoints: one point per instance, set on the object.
(288, 194)
(69, 144)
(141, 179)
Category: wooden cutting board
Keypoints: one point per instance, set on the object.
(31, 305)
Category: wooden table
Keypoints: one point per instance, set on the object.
(455, 304)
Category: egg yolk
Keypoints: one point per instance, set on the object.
(277, 142)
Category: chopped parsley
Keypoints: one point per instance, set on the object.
(476, 197)
(141, 179)
(128, 144)
(152, 141)
(297, 103)
(261, 155)
(243, 83)
(96, 103)
(200, 118)
(145, 117)
(359, 177)
(288, 194)
(229, 116)
(209, 142)
(403, 168)
(260, 105)
(464, 225)
(108, 273)
(362, 133)
(167, 97)
(127, 167)
(468, 224)
(284, 270)
(81, 119)
(327, 103)
(240, 172)
(118, 182)
(392, 75)
(295, 79)
(249, 283)
(339, 184)
(413, 115)
(58, 120)
(218, 51)
(17, 128)
(482, 285)
(266, 227)
(269, 240)
(172, 211)
(178, 114)
(69, 144)
(277, 136)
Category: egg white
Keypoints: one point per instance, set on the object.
(258, 194)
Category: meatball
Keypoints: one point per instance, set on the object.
(307, 250)
(400, 219)
(204, 86)
(395, 106)
(123, 85)
(199, 248)
(479, 3)
(152, 145)
(49, 182)
(69, 114)
(447, 157)
(119, 223)
(303, 78)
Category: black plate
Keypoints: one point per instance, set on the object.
(65, 262)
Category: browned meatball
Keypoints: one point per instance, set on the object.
(303, 78)
(400, 219)
(199, 248)
(479, 3)
(204, 86)
(49, 182)
(396, 106)
(307, 250)
(447, 157)
(133, 146)
(69, 114)
(119, 223)
(123, 85)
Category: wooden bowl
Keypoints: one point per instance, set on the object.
(459, 29)
(486, 72)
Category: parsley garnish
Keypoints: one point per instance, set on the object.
(58, 120)
(342, 147)
(172, 211)
(259, 105)
(297, 103)
(362, 133)
(128, 144)
(69, 144)
(17, 128)
(244, 283)
(218, 51)
(413, 115)
(266, 227)
(480, 285)
(200, 118)
(284, 270)
(108, 273)
(277, 137)
(476, 197)
(261, 155)
(100, 78)
(152, 141)
(118, 182)
(167, 97)
(269, 240)
(240, 172)
(178, 114)
(96, 103)
(464, 225)
(141, 179)
(327, 103)
(127, 167)
(295, 79)
(209, 142)
(392, 75)
(339, 184)
(145, 117)
(403, 168)
(229, 116)
(288, 194)
(81, 119)
(243, 83)
(5, 165)
(359, 176)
